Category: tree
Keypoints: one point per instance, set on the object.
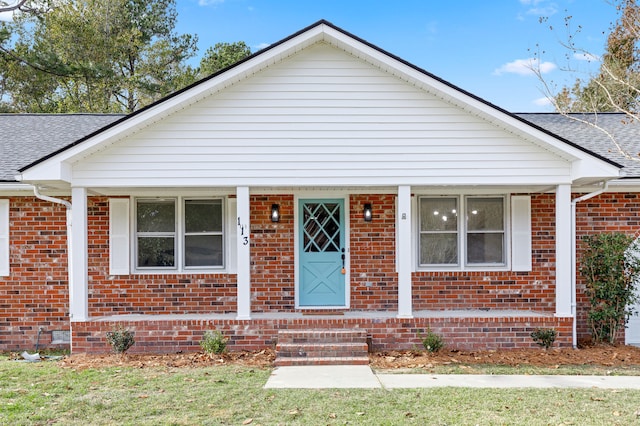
(95, 56)
(221, 56)
(615, 88)
(10, 6)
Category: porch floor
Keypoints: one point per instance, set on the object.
(346, 315)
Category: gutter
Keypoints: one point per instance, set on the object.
(574, 257)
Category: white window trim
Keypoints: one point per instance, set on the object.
(461, 233)
(179, 267)
(5, 269)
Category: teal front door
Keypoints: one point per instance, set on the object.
(322, 255)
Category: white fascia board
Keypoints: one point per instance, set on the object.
(8, 189)
(592, 167)
(624, 185)
(48, 170)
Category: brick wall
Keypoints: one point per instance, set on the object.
(386, 333)
(36, 293)
(606, 213)
(374, 281)
(272, 255)
(148, 293)
(35, 296)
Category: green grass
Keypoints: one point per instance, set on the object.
(45, 394)
(570, 370)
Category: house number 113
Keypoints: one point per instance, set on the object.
(244, 238)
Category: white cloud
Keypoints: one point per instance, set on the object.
(525, 67)
(209, 2)
(6, 16)
(540, 7)
(589, 57)
(542, 102)
(262, 46)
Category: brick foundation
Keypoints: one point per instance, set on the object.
(174, 335)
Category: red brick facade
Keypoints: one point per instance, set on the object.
(499, 290)
(390, 333)
(36, 293)
(609, 212)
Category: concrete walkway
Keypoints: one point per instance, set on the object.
(362, 377)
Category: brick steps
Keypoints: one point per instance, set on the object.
(322, 347)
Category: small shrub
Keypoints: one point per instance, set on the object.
(213, 342)
(431, 341)
(120, 339)
(544, 337)
(611, 267)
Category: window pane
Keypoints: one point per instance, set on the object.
(156, 252)
(485, 214)
(485, 248)
(203, 250)
(439, 214)
(439, 249)
(156, 216)
(203, 216)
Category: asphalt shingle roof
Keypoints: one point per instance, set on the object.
(625, 132)
(25, 138)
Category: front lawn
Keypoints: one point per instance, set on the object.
(47, 394)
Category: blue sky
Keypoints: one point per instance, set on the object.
(482, 46)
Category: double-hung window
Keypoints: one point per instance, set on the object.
(462, 232)
(179, 233)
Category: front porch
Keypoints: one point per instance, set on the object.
(463, 329)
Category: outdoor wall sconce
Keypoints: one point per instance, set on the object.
(368, 214)
(275, 213)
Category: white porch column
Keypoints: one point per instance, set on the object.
(563, 250)
(403, 252)
(78, 265)
(244, 253)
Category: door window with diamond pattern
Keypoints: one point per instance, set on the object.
(321, 227)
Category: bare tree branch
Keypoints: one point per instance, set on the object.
(12, 6)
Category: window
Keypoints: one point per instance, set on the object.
(449, 239)
(179, 233)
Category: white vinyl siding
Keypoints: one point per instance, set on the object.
(322, 117)
(4, 238)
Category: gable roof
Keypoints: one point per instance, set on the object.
(350, 43)
(322, 31)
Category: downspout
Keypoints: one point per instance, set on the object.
(574, 258)
(67, 204)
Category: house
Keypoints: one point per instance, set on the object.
(320, 183)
